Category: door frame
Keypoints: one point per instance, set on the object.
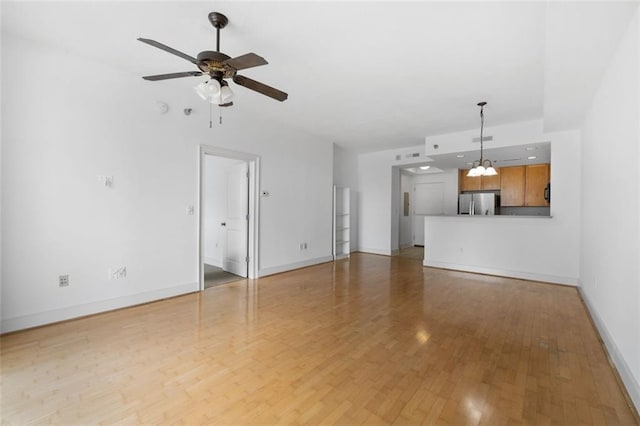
(253, 162)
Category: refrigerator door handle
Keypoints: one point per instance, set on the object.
(547, 193)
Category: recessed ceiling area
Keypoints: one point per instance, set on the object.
(367, 76)
(533, 153)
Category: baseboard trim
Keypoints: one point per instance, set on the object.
(613, 353)
(374, 251)
(213, 262)
(77, 311)
(291, 266)
(504, 273)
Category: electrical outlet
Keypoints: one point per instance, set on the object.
(189, 210)
(118, 273)
(63, 280)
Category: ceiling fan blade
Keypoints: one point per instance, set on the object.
(173, 75)
(260, 88)
(249, 60)
(169, 49)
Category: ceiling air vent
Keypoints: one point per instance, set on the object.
(484, 139)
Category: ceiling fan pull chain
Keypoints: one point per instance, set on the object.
(210, 115)
(220, 113)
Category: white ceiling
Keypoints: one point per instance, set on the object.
(365, 75)
(517, 155)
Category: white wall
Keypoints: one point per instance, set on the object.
(83, 119)
(345, 174)
(504, 135)
(406, 228)
(215, 207)
(395, 209)
(610, 271)
(449, 183)
(449, 179)
(511, 246)
(378, 214)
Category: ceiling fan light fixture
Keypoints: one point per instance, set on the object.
(209, 91)
(226, 94)
(201, 90)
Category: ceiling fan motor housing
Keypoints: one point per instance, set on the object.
(212, 62)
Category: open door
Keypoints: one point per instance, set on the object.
(234, 249)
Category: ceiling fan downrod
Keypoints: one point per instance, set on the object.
(219, 21)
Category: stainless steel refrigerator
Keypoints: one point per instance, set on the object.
(481, 203)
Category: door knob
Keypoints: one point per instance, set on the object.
(223, 224)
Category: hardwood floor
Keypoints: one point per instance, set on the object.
(369, 340)
(415, 252)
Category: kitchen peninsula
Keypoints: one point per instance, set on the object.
(513, 246)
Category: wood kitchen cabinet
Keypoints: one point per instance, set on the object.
(536, 180)
(512, 186)
(524, 185)
(491, 182)
(468, 183)
(488, 183)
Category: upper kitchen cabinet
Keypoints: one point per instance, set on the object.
(467, 183)
(512, 186)
(484, 183)
(524, 186)
(491, 183)
(536, 181)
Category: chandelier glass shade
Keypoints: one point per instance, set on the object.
(214, 91)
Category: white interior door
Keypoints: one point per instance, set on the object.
(428, 199)
(234, 256)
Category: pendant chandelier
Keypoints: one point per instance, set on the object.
(483, 167)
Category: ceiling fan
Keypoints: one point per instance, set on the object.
(218, 66)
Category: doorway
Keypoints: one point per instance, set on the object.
(228, 216)
(414, 196)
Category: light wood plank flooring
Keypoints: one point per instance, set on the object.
(415, 252)
(369, 340)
